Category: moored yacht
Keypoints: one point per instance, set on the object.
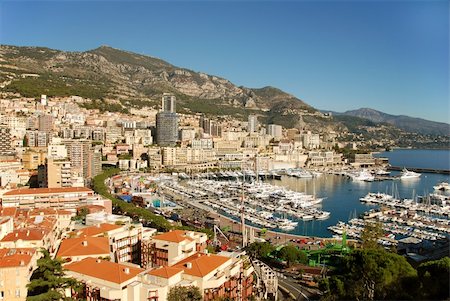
(406, 174)
(442, 186)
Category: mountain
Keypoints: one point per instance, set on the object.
(117, 80)
(107, 73)
(406, 123)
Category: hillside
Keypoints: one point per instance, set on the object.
(406, 123)
(116, 80)
(135, 80)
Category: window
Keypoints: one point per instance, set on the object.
(18, 292)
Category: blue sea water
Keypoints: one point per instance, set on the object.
(342, 194)
(419, 158)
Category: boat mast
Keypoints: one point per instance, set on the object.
(244, 235)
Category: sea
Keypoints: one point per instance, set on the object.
(341, 194)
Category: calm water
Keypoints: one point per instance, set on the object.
(420, 158)
(342, 194)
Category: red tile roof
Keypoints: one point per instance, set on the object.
(26, 191)
(26, 234)
(105, 270)
(173, 236)
(202, 264)
(16, 257)
(8, 211)
(98, 229)
(84, 246)
(165, 272)
(48, 211)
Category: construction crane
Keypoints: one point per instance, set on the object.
(216, 241)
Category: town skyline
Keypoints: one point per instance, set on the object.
(393, 65)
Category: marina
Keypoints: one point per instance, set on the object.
(304, 205)
(261, 204)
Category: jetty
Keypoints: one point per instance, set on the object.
(420, 170)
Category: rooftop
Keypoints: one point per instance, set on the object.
(83, 246)
(26, 234)
(173, 236)
(97, 229)
(202, 264)
(30, 191)
(165, 272)
(16, 257)
(105, 270)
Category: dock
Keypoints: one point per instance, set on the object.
(420, 170)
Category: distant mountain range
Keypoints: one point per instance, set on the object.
(406, 123)
(118, 80)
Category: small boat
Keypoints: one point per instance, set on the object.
(443, 186)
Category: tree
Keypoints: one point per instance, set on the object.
(184, 293)
(48, 282)
(434, 279)
(81, 215)
(260, 250)
(291, 254)
(371, 233)
(372, 274)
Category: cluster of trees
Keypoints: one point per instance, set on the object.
(184, 293)
(376, 274)
(373, 273)
(267, 252)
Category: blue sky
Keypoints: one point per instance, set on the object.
(392, 56)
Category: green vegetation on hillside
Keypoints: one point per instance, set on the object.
(57, 86)
(104, 106)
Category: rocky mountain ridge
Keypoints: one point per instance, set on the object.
(406, 123)
(130, 79)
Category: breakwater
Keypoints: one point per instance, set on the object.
(420, 170)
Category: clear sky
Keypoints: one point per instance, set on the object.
(392, 56)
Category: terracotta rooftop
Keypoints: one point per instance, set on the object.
(202, 264)
(105, 270)
(40, 221)
(83, 246)
(25, 191)
(173, 236)
(98, 229)
(8, 211)
(16, 257)
(165, 272)
(48, 211)
(26, 234)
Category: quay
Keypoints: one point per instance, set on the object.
(420, 170)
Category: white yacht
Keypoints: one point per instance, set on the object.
(443, 186)
(406, 174)
(362, 175)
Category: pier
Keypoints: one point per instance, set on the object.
(420, 170)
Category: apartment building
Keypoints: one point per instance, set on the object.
(105, 280)
(5, 140)
(67, 198)
(16, 268)
(56, 173)
(225, 275)
(171, 247)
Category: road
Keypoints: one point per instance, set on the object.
(293, 287)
